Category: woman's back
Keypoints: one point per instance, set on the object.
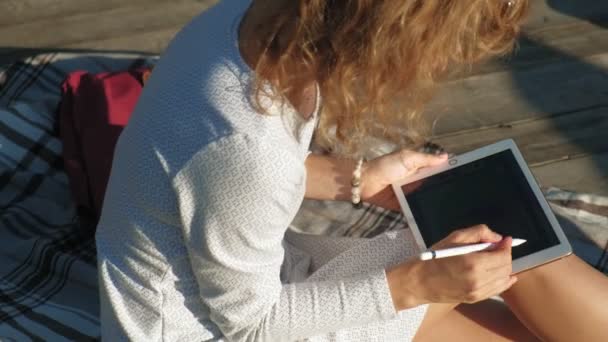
(193, 110)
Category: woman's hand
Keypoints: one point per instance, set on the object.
(459, 279)
(380, 173)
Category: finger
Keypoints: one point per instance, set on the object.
(497, 267)
(478, 282)
(512, 281)
(501, 285)
(413, 161)
(504, 244)
(475, 234)
(486, 261)
(493, 288)
(500, 272)
(497, 257)
(505, 269)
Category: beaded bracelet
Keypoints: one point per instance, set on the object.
(356, 185)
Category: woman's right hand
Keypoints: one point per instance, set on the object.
(459, 279)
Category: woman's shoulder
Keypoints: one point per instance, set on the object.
(202, 66)
(241, 163)
(254, 155)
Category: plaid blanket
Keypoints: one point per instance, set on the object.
(48, 279)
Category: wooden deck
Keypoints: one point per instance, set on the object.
(551, 97)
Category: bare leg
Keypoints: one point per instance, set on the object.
(489, 320)
(566, 300)
(434, 317)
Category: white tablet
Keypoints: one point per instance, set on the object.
(492, 185)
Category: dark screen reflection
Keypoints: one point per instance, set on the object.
(491, 191)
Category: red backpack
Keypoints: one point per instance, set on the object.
(93, 111)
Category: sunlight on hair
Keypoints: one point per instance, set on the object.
(378, 62)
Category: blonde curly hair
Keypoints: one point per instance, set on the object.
(377, 61)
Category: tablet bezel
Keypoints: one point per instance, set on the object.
(520, 264)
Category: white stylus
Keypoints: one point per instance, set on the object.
(448, 252)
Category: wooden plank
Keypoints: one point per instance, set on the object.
(101, 25)
(22, 11)
(549, 12)
(588, 174)
(502, 97)
(554, 28)
(542, 140)
(150, 41)
(553, 43)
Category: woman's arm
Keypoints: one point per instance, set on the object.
(329, 178)
(236, 199)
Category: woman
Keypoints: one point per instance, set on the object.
(214, 165)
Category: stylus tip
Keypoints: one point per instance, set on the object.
(517, 242)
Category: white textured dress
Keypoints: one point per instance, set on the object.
(192, 241)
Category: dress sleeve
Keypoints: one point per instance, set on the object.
(236, 199)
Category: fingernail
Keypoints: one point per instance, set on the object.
(498, 236)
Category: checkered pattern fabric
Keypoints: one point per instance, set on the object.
(48, 278)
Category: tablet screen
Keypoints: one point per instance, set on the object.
(492, 191)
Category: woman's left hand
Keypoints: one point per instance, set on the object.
(380, 173)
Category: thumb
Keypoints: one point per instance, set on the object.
(413, 161)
